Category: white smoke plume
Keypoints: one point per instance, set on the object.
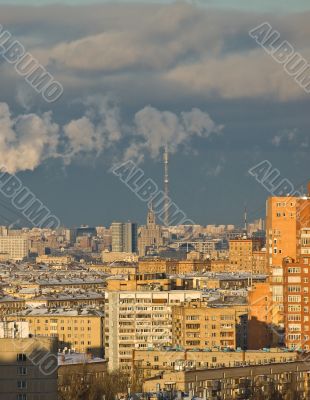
(27, 140)
(154, 129)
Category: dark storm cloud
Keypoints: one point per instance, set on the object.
(178, 47)
(167, 60)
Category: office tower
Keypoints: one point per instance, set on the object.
(70, 235)
(15, 247)
(150, 236)
(124, 237)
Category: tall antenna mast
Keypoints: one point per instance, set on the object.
(245, 218)
(166, 186)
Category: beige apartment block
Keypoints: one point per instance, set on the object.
(290, 379)
(152, 362)
(241, 254)
(17, 247)
(10, 305)
(260, 262)
(140, 282)
(139, 320)
(28, 368)
(195, 325)
(173, 266)
(80, 330)
(57, 260)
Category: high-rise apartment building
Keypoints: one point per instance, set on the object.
(124, 237)
(15, 247)
(139, 320)
(296, 289)
(296, 292)
(287, 221)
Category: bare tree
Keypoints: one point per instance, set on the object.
(80, 384)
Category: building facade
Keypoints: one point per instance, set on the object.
(16, 247)
(150, 236)
(124, 237)
(28, 366)
(139, 320)
(196, 325)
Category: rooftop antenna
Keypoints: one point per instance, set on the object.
(245, 218)
(166, 186)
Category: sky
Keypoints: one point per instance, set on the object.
(260, 6)
(137, 75)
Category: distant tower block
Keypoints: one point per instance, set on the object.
(166, 186)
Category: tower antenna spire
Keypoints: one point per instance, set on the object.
(166, 186)
(245, 218)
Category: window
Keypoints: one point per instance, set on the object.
(21, 396)
(21, 384)
(21, 371)
(293, 288)
(21, 357)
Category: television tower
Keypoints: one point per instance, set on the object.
(245, 218)
(166, 186)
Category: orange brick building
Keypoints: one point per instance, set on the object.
(296, 290)
(287, 227)
(260, 316)
(241, 254)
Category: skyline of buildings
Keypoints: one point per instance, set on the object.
(234, 297)
(154, 211)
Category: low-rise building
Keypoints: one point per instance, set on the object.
(57, 260)
(290, 379)
(152, 362)
(79, 366)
